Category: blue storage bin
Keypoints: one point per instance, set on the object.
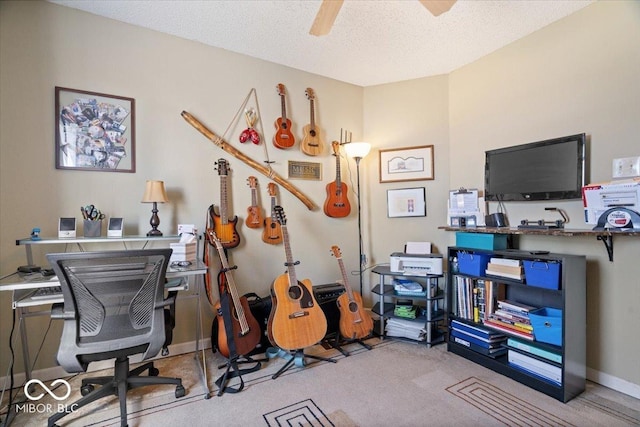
(542, 274)
(481, 240)
(547, 325)
(472, 263)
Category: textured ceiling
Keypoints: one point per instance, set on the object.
(372, 41)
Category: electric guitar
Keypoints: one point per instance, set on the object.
(337, 204)
(246, 329)
(355, 322)
(224, 227)
(296, 320)
(272, 232)
(283, 137)
(311, 144)
(254, 214)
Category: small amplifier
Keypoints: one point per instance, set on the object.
(327, 296)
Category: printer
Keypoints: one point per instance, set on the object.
(416, 264)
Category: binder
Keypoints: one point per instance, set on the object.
(554, 357)
(481, 333)
(540, 368)
(491, 352)
(475, 340)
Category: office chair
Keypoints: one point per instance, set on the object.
(113, 308)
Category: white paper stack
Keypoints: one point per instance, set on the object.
(405, 328)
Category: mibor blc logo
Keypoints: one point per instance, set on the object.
(34, 395)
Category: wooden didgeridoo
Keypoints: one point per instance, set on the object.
(268, 172)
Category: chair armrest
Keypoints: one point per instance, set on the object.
(57, 312)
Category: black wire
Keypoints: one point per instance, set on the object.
(13, 328)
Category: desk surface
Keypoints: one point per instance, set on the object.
(54, 240)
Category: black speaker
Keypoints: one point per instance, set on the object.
(327, 296)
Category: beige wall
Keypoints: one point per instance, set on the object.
(578, 75)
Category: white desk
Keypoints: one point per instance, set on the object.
(23, 286)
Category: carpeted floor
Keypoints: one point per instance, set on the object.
(396, 383)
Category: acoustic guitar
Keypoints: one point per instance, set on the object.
(272, 232)
(283, 137)
(297, 320)
(254, 213)
(337, 204)
(224, 227)
(245, 327)
(355, 322)
(312, 144)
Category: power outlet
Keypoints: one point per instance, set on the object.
(627, 167)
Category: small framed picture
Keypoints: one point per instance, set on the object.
(66, 228)
(116, 225)
(407, 164)
(406, 202)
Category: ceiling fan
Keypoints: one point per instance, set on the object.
(329, 11)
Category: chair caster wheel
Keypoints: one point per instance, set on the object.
(154, 372)
(86, 389)
(180, 392)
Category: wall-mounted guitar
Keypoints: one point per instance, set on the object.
(245, 327)
(312, 144)
(272, 232)
(296, 320)
(254, 213)
(337, 204)
(355, 322)
(283, 137)
(224, 227)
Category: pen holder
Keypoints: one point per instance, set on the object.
(92, 228)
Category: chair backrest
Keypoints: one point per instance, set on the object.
(113, 304)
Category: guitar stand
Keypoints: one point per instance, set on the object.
(337, 343)
(298, 357)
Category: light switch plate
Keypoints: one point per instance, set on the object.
(627, 167)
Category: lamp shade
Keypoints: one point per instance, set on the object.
(357, 150)
(154, 192)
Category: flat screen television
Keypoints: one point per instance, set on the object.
(552, 169)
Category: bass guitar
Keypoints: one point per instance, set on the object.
(296, 320)
(254, 214)
(283, 138)
(337, 203)
(312, 144)
(224, 227)
(355, 322)
(246, 329)
(272, 232)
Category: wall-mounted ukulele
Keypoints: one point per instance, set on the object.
(224, 227)
(254, 213)
(312, 144)
(337, 203)
(284, 137)
(246, 329)
(272, 232)
(296, 321)
(355, 322)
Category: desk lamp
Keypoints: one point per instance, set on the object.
(358, 150)
(154, 193)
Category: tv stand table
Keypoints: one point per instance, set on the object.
(606, 236)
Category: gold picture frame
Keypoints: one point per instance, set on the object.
(407, 164)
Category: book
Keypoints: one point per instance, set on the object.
(543, 369)
(478, 331)
(505, 275)
(491, 352)
(532, 349)
(515, 306)
(477, 341)
(528, 329)
(499, 268)
(506, 261)
(493, 324)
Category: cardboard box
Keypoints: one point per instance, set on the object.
(481, 240)
(597, 198)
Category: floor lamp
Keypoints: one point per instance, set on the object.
(358, 150)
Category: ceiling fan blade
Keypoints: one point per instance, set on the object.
(325, 17)
(437, 7)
